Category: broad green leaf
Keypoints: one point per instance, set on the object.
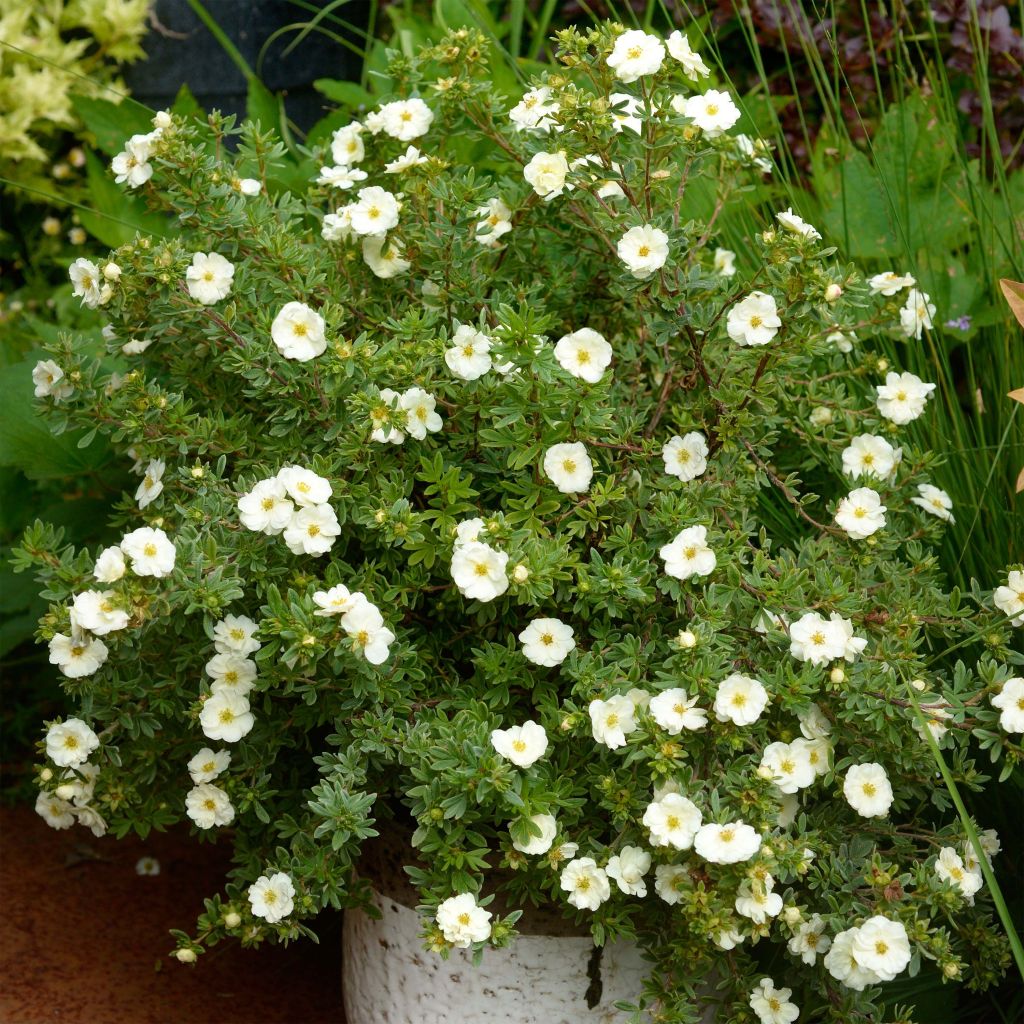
(112, 124)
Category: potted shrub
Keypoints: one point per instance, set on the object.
(488, 499)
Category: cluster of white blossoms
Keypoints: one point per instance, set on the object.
(272, 897)
(95, 613)
(877, 951)
(411, 413)
(360, 619)
(93, 286)
(132, 165)
(819, 640)
(225, 715)
(294, 503)
(69, 744)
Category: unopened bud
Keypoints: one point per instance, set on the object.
(832, 292)
(686, 639)
(232, 920)
(186, 956)
(520, 573)
(112, 272)
(837, 675)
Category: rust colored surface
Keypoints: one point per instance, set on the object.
(83, 934)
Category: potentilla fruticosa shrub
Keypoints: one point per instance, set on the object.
(483, 489)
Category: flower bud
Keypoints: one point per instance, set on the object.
(837, 675)
(520, 573)
(65, 792)
(950, 969)
(112, 272)
(883, 365)
(792, 915)
(51, 226)
(162, 119)
(832, 292)
(185, 956)
(232, 920)
(821, 415)
(686, 639)
(77, 236)
(45, 775)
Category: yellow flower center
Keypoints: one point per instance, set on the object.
(569, 465)
(712, 109)
(149, 550)
(644, 250)
(268, 504)
(210, 805)
(519, 746)
(634, 53)
(464, 919)
(226, 715)
(756, 321)
(881, 948)
(300, 330)
(612, 720)
(869, 789)
(313, 529)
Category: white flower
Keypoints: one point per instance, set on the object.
(674, 711)
(152, 485)
(636, 54)
(916, 315)
(713, 111)
(797, 225)
(520, 744)
(384, 257)
(672, 821)
(207, 765)
(132, 164)
(208, 805)
(844, 966)
(97, 611)
(880, 945)
(364, 625)
(627, 870)
(934, 501)
(586, 883)
(934, 722)
(272, 897)
(69, 743)
(772, 1004)
(870, 455)
(49, 380)
(533, 112)
(740, 699)
(497, 221)
(852, 645)
(247, 186)
(150, 551)
(1009, 599)
(547, 642)
(336, 601)
(85, 280)
(312, 530)
(479, 571)
(671, 881)
(420, 416)
(867, 790)
(693, 66)
(209, 278)
(226, 716)
(568, 467)
(625, 111)
(147, 866)
(611, 720)
(730, 843)
(406, 120)
(724, 263)
(754, 321)
(541, 843)
(902, 397)
(861, 513)
(950, 867)
(584, 354)
(337, 227)
(756, 900)
(266, 508)
(231, 672)
(375, 212)
(643, 249)
(816, 639)
(462, 922)
(347, 145)
(546, 174)
(1010, 701)
(341, 176)
(304, 486)
(298, 332)
(788, 766)
(109, 567)
(412, 157)
(468, 530)
(235, 634)
(55, 812)
(889, 283)
(469, 357)
(810, 940)
(77, 656)
(688, 554)
(686, 457)
(728, 939)
(817, 752)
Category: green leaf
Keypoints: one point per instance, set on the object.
(262, 106)
(111, 124)
(348, 94)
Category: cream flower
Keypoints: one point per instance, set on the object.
(209, 277)
(816, 639)
(547, 642)
(97, 611)
(902, 397)
(568, 467)
(208, 806)
(686, 457)
(69, 743)
(312, 530)
(236, 634)
(627, 870)
(916, 315)
(612, 720)
(87, 284)
(740, 699)
(797, 225)
(304, 486)
(384, 257)
(841, 963)
(375, 212)
(298, 332)
(867, 790)
(497, 221)
(870, 455)
(207, 765)
(788, 766)
(672, 821)
(861, 513)
(462, 922)
(469, 358)
(693, 65)
(714, 111)
(671, 881)
(730, 843)
(521, 744)
(636, 54)
(1010, 702)
(412, 157)
(625, 111)
(688, 555)
(55, 812)
(546, 174)
(674, 711)
(336, 601)
(232, 672)
(226, 716)
(272, 897)
(406, 120)
(950, 867)
(77, 656)
(754, 321)
(810, 940)
(643, 249)
(340, 177)
(881, 945)
(49, 381)
(584, 354)
(365, 627)
(934, 501)
(152, 485)
(420, 415)
(541, 843)
(1009, 599)
(772, 1004)
(533, 112)
(724, 263)
(755, 899)
(479, 571)
(347, 145)
(150, 551)
(266, 508)
(889, 283)
(131, 166)
(586, 883)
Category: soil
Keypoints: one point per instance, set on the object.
(84, 937)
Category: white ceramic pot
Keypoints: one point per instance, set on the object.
(388, 977)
